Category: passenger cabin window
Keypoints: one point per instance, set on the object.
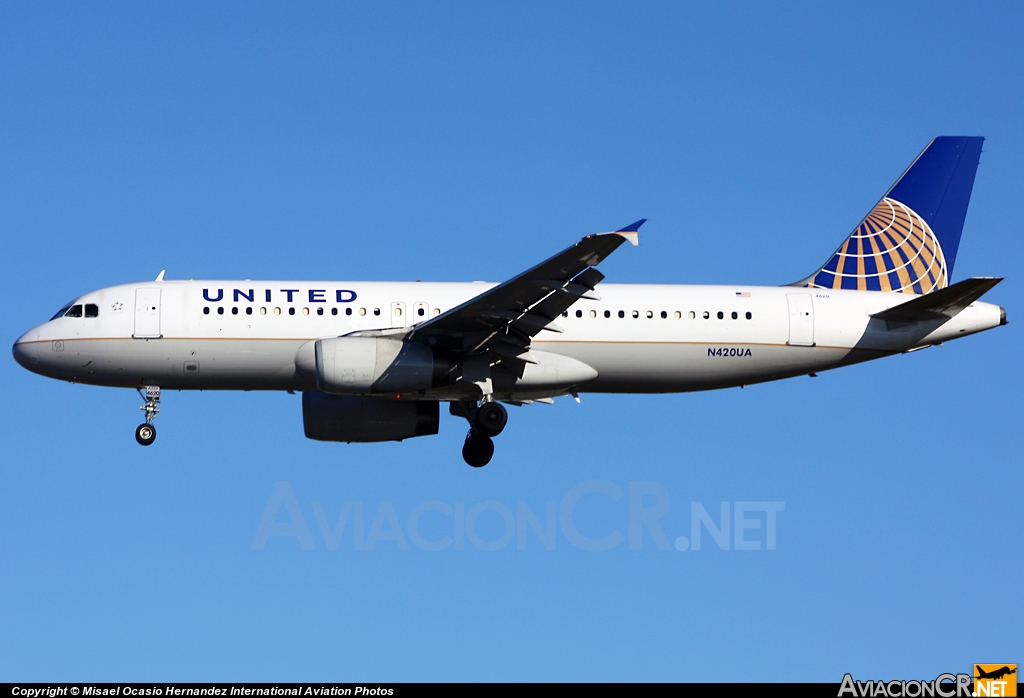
(735, 315)
(74, 311)
(749, 316)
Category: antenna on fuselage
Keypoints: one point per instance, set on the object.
(160, 276)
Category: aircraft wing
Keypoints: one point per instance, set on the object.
(942, 304)
(504, 318)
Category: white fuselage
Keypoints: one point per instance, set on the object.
(255, 335)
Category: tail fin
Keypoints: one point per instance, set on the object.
(909, 240)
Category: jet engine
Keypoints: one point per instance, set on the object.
(366, 419)
(363, 365)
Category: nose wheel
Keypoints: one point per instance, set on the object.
(145, 434)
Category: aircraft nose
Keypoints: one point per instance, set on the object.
(26, 350)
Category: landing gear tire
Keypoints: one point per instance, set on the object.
(478, 449)
(490, 419)
(145, 434)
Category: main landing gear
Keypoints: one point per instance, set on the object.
(145, 434)
(487, 420)
(478, 449)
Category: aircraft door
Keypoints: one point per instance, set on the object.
(801, 319)
(147, 313)
(399, 318)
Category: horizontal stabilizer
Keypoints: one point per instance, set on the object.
(942, 304)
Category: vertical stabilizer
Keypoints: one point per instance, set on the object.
(909, 240)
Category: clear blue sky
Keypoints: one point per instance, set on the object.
(442, 141)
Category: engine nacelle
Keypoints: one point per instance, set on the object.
(366, 419)
(363, 365)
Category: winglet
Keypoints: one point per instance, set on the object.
(160, 276)
(632, 232)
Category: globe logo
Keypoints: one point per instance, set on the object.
(893, 249)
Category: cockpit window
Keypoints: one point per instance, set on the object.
(92, 310)
(74, 311)
(60, 313)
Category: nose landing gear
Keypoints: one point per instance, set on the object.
(145, 434)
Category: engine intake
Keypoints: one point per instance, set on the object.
(366, 419)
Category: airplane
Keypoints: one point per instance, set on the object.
(374, 360)
(995, 674)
